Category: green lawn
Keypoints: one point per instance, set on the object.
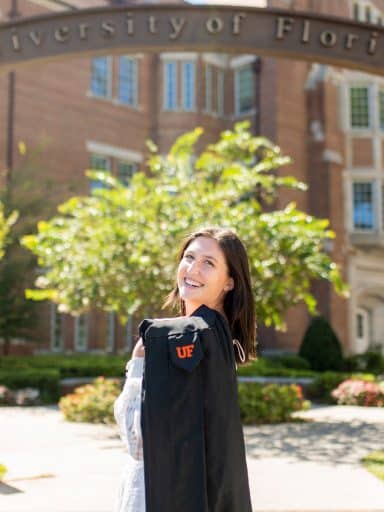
(374, 462)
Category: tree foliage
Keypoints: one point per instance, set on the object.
(22, 205)
(116, 249)
(5, 226)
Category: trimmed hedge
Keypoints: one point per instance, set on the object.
(369, 361)
(272, 367)
(321, 346)
(45, 371)
(76, 365)
(46, 380)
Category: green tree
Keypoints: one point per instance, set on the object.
(18, 315)
(115, 250)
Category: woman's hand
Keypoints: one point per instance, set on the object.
(138, 350)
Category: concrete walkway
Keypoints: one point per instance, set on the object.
(57, 466)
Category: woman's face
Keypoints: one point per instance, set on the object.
(202, 275)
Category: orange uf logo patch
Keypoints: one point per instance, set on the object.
(184, 352)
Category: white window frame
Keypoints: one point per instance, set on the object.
(107, 150)
(135, 81)
(77, 346)
(362, 343)
(174, 107)
(108, 96)
(375, 227)
(108, 169)
(129, 162)
(208, 87)
(363, 130)
(220, 84)
(380, 89)
(56, 316)
(191, 63)
(252, 110)
(361, 6)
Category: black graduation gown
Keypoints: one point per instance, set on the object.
(193, 444)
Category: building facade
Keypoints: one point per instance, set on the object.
(97, 112)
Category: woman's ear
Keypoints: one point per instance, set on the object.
(229, 285)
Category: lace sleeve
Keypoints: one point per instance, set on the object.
(127, 408)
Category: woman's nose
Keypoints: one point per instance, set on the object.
(193, 265)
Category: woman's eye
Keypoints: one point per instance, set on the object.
(188, 256)
(210, 262)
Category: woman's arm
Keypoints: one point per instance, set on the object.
(127, 405)
(139, 350)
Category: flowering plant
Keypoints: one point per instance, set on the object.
(92, 403)
(359, 392)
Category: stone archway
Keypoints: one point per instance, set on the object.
(271, 32)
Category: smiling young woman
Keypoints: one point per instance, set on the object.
(213, 271)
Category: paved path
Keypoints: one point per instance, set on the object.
(301, 467)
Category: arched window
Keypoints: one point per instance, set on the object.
(362, 330)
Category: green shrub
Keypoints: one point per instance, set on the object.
(370, 361)
(321, 347)
(92, 403)
(268, 367)
(271, 403)
(293, 361)
(323, 385)
(71, 365)
(46, 380)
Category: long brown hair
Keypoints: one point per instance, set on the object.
(239, 306)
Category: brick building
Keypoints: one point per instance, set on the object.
(98, 112)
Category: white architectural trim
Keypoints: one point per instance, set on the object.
(179, 56)
(113, 151)
(329, 155)
(317, 131)
(218, 60)
(376, 13)
(240, 3)
(48, 4)
(242, 60)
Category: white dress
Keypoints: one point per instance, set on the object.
(131, 492)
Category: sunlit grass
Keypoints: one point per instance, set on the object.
(374, 462)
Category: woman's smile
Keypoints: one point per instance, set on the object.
(192, 283)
